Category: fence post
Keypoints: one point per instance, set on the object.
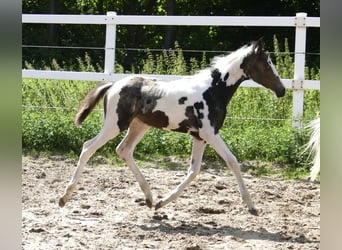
(299, 70)
(109, 65)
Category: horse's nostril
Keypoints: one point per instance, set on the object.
(281, 92)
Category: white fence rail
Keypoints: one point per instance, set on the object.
(300, 22)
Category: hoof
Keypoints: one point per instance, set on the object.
(149, 203)
(253, 211)
(61, 202)
(158, 205)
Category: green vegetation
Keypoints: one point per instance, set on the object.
(258, 126)
(132, 39)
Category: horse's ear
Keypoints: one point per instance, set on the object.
(259, 46)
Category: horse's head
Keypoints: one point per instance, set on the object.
(259, 67)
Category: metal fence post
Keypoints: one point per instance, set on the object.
(299, 71)
(109, 65)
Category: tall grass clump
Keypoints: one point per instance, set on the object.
(257, 127)
(169, 62)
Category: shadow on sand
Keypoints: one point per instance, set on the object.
(209, 230)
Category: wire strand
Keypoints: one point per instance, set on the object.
(228, 117)
(153, 50)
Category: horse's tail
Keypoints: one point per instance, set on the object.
(314, 146)
(90, 101)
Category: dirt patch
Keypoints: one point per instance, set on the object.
(108, 210)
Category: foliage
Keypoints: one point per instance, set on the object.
(258, 126)
(170, 62)
(132, 38)
(284, 62)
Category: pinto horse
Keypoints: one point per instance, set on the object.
(194, 104)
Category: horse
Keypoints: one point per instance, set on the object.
(193, 104)
(314, 146)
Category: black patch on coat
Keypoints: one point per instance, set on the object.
(198, 106)
(138, 102)
(217, 98)
(182, 100)
(191, 122)
(157, 119)
(196, 135)
(216, 75)
(194, 121)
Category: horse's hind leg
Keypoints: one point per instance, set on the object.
(89, 148)
(125, 149)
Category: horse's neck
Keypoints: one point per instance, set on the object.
(222, 85)
(235, 73)
(217, 96)
(230, 65)
(223, 78)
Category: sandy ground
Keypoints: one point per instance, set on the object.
(108, 210)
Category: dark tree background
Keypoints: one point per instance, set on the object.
(131, 37)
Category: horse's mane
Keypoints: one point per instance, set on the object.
(228, 62)
(231, 58)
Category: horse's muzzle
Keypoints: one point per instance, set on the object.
(280, 92)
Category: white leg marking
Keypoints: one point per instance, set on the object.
(221, 148)
(89, 148)
(125, 149)
(195, 166)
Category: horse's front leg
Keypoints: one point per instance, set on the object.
(195, 166)
(221, 148)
